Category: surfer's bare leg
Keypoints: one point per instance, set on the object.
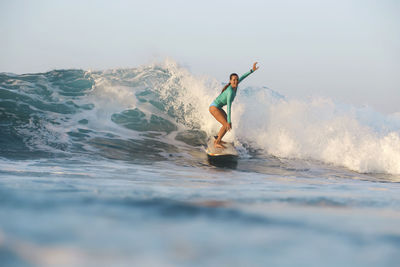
(220, 116)
(221, 134)
(225, 116)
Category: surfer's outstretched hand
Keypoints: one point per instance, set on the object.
(255, 66)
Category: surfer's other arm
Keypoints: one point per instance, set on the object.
(228, 109)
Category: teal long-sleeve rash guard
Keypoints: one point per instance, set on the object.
(227, 97)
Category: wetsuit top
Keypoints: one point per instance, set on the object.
(227, 96)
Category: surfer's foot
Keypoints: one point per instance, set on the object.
(218, 145)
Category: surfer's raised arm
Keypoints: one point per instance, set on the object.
(255, 67)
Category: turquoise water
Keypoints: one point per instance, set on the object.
(107, 168)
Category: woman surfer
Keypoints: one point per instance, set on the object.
(226, 98)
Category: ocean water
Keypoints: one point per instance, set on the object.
(107, 168)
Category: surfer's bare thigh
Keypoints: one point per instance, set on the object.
(219, 114)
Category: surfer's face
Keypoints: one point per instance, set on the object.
(234, 81)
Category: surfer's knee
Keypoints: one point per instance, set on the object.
(212, 109)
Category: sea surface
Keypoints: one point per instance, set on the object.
(107, 168)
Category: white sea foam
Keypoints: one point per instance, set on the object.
(321, 130)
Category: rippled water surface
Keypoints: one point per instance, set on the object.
(83, 213)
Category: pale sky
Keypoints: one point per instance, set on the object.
(348, 51)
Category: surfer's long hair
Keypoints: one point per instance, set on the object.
(230, 78)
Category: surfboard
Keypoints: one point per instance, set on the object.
(227, 153)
